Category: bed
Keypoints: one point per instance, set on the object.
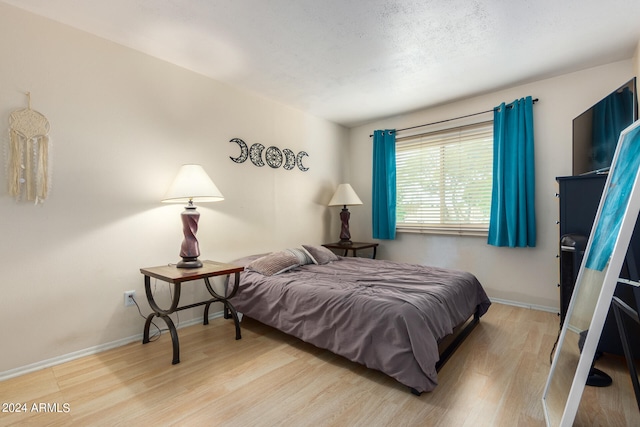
(389, 316)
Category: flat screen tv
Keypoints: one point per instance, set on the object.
(596, 131)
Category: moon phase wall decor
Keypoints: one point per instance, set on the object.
(273, 156)
(290, 159)
(255, 154)
(299, 161)
(244, 151)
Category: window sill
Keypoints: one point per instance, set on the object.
(474, 232)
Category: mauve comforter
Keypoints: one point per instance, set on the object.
(385, 315)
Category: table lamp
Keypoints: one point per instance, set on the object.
(345, 196)
(191, 184)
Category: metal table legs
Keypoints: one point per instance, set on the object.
(164, 314)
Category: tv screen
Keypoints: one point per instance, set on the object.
(596, 131)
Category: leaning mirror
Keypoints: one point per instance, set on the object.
(596, 282)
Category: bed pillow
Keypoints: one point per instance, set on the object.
(303, 256)
(274, 263)
(320, 255)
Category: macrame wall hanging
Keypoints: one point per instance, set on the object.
(29, 149)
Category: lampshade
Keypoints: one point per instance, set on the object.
(192, 184)
(345, 196)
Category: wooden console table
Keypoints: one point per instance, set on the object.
(175, 275)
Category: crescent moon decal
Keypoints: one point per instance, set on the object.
(255, 154)
(244, 151)
(299, 161)
(290, 159)
(273, 156)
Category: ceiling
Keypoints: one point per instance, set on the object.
(353, 61)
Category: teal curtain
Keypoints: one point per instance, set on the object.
(384, 184)
(513, 219)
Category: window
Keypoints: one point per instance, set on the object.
(443, 181)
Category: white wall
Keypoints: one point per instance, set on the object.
(122, 123)
(524, 275)
(636, 60)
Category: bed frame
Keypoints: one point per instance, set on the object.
(446, 347)
(450, 343)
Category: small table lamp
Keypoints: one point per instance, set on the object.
(345, 196)
(191, 184)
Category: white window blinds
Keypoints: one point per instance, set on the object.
(444, 181)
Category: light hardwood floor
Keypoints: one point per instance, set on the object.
(495, 378)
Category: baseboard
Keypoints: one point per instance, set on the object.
(529, 306)
(16, 372)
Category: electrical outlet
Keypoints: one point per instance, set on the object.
(128, 298)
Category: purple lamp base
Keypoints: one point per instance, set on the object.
(345, 235)
(190, 251)
(189, 263)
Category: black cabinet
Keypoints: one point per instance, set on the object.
(579, 198)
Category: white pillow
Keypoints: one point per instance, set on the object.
(274, 263)
(320, 255)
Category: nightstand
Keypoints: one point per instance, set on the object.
(354, 247)
(175, 275)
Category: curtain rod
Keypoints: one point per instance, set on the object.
(455, 118)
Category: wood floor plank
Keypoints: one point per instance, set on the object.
(267, 378)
